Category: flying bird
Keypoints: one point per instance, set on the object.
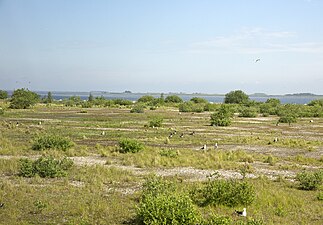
(257, 60)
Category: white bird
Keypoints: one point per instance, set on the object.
(216, 145)
(103, 133)
(311, 121)
(242, 213)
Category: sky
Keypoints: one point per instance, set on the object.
(191, 46)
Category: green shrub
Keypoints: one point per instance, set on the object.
(138, 108)
(287, 119)
(156, 122)
(146, 99)
(320, 196)
(173, 99)
(270, 160)
(124, 102)
(222, 117)
(50, 141)
(23, 99)
(199, 100)
(191, 107)
(3, 94)
(171, 153)
(224, 192)
(45, 167)
(249, 112)
(1, 111)
(130, 145)
(310, 180)
(217, 220)
(236, 97)
(160, 204)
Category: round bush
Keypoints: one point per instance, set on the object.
(130, 145)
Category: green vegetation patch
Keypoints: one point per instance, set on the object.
(45, 167)
(51, 141)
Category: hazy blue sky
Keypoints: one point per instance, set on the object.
(207, 46)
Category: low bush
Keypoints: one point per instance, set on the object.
(50, 141)
(138, 108)
(287, 119)
(191, 107)
(130, 145)
(156, 122)
(160, 204)
(45, 167)
(249, 112)
(171, 153)
(310, 180)
(224, 192)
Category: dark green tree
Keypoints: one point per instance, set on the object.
(49, 98)
(146, 99)
(236, 97)
(91, 98)
(173, 99)
(23, 99)
(3, 94)
(198, 100)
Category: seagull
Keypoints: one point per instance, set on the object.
(1, 205)
(216, 145)
(257, 60)
(242, 213)
(182, 135)
(204, 147)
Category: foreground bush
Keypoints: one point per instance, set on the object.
(50, 141)
(45, 167)
(310, 180)
(160, 204)
(224, 192)
(130, 145)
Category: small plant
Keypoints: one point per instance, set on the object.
(1, 111)
(310, 180)
(138, 108)
(45, 167)
(171, 153)
(50, 141)
(130, 145)
(40, 206)
(218, 220)
(320, 196)
(270, 160)
(156, 122)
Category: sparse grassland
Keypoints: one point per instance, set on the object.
(105, 185)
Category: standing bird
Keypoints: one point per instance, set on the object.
(216, 145)
(242, 213)
(182, 135)
(204, 147)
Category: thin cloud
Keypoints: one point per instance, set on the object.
(256, 40)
